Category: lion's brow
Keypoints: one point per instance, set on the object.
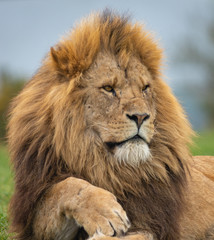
(112, 81)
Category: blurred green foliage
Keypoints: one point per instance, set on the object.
(192, 53)
(9, 87)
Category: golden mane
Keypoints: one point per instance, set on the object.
(49, 139)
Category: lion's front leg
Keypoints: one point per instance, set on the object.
(73, 203)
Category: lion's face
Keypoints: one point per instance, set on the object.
(119, 107)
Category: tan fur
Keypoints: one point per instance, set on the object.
(71, 141)
(199, 212)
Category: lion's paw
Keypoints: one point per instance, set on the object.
(97, 210)
(140, 236)
(103, 237)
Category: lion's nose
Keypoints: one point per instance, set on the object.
(138, 118)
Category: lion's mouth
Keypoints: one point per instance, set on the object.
(136, 138)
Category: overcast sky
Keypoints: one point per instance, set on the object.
(28, 28)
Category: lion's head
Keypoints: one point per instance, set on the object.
(97, 109)
(119, 107)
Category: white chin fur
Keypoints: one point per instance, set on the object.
(133, 152)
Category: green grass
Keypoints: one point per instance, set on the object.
(204, 145)
(6, 188)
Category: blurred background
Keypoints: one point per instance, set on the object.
(184, 29)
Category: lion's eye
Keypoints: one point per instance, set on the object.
(145, 87)
(108, 88)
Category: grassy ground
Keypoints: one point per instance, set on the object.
(204, 145)
(6, 188)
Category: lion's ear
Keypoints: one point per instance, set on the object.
(54, 55)
(62, 61)
(71, 60)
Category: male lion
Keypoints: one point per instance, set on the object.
(100, 145)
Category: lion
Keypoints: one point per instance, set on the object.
(100, 145)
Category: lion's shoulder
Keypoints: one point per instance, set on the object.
(205, 165)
